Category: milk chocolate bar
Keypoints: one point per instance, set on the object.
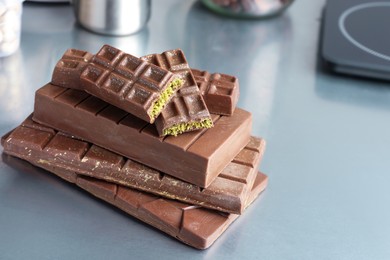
(123, 80)
(228, 193)
(196, 157)
(219, 91)
(186, 111)
(68, 69)
(195, 226)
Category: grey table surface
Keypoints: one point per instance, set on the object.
(328, 142)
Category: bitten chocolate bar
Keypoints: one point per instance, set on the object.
(123, 80)
(196, 157)
(192, 225)
(186, 111)
(228, 193)
(219, 91)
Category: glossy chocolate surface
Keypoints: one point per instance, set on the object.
(68, 69)
(219, 91)
(196, 157)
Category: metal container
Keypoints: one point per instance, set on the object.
(112, 17)
(248, 8)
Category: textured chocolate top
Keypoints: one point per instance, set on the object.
(68, 69)
(123, 80)
(192, 225)
(196, 157)
(128, 82)
(220, 91)
(227, 193)
(187, 111)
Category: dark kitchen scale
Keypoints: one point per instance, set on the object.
(356, 37)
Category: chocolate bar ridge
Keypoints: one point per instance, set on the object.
(219, 91)
(184, 222)
(187, 110)
(228, 193)
(196, 157)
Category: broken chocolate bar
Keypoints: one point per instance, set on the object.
(228, 193)
(195, 226)
(123, 80)
(186, 111)
(219, 91)
(196, 157)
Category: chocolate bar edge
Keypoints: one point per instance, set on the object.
(198, 242)
(20, 147)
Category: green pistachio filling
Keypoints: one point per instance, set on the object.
(184, 127)
(164, 97)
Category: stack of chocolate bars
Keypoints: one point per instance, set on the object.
(151, 136)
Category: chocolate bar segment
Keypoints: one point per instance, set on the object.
(129, 83)
(120, 79)
(196, 157)
(219, 91)
(68, 69)
(228, 192)
(192, 225)
(187, 111)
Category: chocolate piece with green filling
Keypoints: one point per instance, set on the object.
(129, 83)
(187, 110)
(123, 80)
